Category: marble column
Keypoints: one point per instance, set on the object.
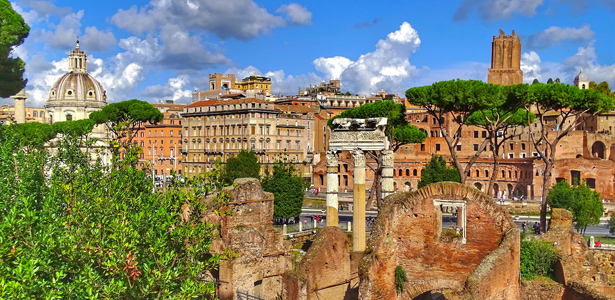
(332, 189)
(358, 215)
(388, 158)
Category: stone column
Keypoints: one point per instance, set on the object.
(332, 187)
(528, 196)
(20, 107)
(358, 215)
(388, 158)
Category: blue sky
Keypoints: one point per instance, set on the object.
(163, 49)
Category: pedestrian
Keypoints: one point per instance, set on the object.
(536, 228)
(524, 226)
(598, 244)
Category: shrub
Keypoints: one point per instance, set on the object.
(537, 259)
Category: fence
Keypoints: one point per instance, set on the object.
(246, 296)
(311, 224)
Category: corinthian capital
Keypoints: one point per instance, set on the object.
(332, 158)
(359, 158)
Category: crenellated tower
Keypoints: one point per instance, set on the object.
(505, 60)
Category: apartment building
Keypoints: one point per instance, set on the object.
(219, 129)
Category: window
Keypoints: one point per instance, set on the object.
(414, 172)
(407, 172)
(171, 132)
(486, 173)
(511, 155)
(399, 172)
(142, 133)
(437, 147)
(512, 147)
(477, 173)
(503, 174)
(35, 114)
(422, 147)
(475, 134)
(156, 132)
(475, 147)
(458, 147)
(522, 146)
(69, 117)
(484, 134)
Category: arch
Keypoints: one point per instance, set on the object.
(486, 173)
(414, 172)
(510, 190)
(407, 172)
(477, 173)
(407, 186)
(611, 151)
(399, 172)
(424, 131)
(395, 186)
(423, 250)
(599, 150)
(479, 186)
(496, 189)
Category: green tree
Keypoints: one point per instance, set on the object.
(13, 31)
(72, 229)
(559, 108)
(123, 120)
(451, 103)
(287, 188)
(30, 136)
(398, 131)
(549, 81)
(436, 170)
(348, 93)
(612, 224)
(245, 164)
(535, 81)
(504, 120)
(603, 87)
(584, 203)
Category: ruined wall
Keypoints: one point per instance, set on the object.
(325, 271)
(407, 234)
(605, 260)
(262, 254)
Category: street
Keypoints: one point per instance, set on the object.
(448, 220)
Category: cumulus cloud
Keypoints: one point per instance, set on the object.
(554, 35)
(388, 67)
(332, 67)
(587, 59)
(579, 5)
(530, 65)
(64, 35)
(175, 89)
(39, 10)
(296, 13)
(240, 19)
(496, 9)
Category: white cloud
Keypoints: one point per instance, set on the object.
(530, 65)
(496, 9)
(385, 68)
(332, 67)
(586, 58)
(240, 19)
(388, 67)
(39, 10)
(296, 13)
(64, 35)
(174, 89)
(554, 35)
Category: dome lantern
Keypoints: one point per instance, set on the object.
(77, 60)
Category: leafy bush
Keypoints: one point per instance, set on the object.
(450, 235)
(537, 259)
(73, 229)
(583, 202)
(287, 188)
(400, 279)
(437, 170)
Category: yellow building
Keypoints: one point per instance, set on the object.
(255, 83)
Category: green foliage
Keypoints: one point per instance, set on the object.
(398, 130)
(122, 118)
(400, 279)
(437, 170)
(603, 87)
(584, 203)
(535, 81)
(537, 259)
(549, 81)
(75, 229)
(13, 31)
(245, 164)
(30, 135)
(287, 188)
(558, 97)
(74, 128)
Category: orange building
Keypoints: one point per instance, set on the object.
(162, 145)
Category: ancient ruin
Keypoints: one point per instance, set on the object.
(505, 60)
(356, 136)
(481, 263)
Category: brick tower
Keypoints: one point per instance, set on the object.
(505, 60)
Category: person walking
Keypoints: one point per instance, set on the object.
(524, 226)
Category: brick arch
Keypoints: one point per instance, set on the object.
(406, 234)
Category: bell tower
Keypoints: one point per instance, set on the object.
(77, 60)
(505, 60)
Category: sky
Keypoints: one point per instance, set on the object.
(164, 49)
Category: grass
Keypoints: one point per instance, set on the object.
(314, 203)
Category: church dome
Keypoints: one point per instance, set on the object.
(77, 88)
(581, 77)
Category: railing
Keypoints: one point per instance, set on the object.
(246, 296)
